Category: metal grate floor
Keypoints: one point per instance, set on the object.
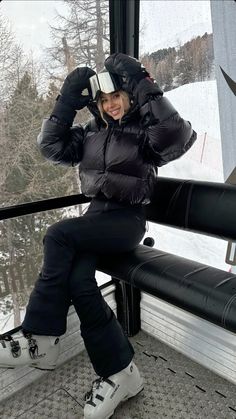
(175, 387)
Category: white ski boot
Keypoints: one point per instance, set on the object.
(28, 349)
(107, 393)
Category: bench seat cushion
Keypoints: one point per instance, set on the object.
(200, 289)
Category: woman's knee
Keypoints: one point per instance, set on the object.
(57, 231)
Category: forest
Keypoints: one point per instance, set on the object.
(188, 63)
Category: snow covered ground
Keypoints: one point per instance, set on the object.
(197, 103)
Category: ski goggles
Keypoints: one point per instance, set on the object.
(104, 82)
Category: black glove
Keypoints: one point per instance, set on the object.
(136, 79)
(130, 70)
(72, 97)
(74, 85)
(146, 89)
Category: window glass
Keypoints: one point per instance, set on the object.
(176, 45)
(40, 43)
(21, 255)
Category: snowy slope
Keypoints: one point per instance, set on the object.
(197, 103)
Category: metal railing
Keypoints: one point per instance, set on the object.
(41, 206)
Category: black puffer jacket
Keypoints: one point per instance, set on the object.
(120, 162)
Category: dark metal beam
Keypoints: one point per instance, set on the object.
(124, 26)
(40, 206)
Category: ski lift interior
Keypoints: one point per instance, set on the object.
(180, 314)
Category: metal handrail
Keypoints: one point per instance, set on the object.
(41, 206)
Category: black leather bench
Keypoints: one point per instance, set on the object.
(202, 207)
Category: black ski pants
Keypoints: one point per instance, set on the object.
(71, 251)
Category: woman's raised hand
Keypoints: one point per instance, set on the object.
(136, 79)
(129, 68)
(72, 90)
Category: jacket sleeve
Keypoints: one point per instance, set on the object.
(60, 143)
(168, 136)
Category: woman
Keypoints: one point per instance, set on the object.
(134, 130)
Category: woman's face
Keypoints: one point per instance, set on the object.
(115, 104)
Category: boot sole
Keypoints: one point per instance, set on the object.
(125, 399)
(135, 394)
(109, 416)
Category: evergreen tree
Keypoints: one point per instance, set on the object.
(161, 54)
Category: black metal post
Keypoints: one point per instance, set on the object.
(124, 37)
(124, 26)
(128, 307)
(128, 300)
